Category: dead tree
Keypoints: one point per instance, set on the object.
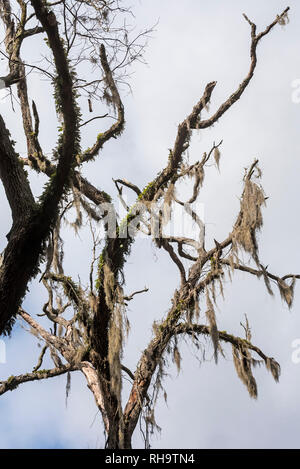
(91, 338)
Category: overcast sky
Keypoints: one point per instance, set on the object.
(208, 407)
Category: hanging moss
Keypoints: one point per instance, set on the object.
(145, 190)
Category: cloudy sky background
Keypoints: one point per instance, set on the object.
(208, 407)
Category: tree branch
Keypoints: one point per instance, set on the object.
(117, 128)
(14, 381)
(238, 93)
